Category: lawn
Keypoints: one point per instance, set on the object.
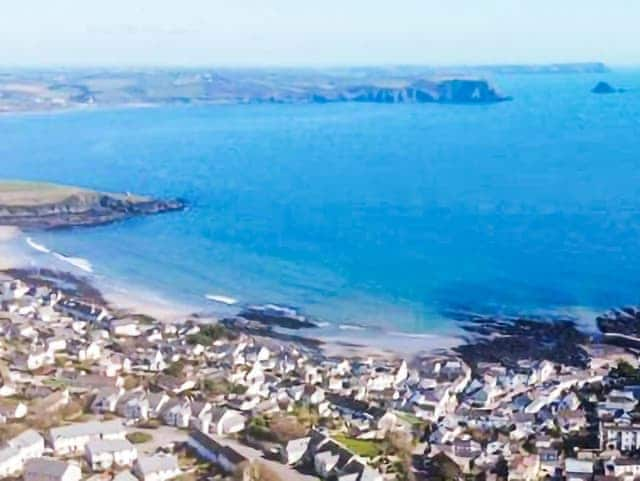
(362, 447)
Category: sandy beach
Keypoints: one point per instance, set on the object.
(16, 252)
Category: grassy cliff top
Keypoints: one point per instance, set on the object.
(24, 193)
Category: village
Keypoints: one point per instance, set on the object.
(88, 394)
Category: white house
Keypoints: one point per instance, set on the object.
(156, 468)
(226, 421)
(294, 450)
(177, 413)
(104, 454)
(47, 469)
(134, 406)
(10, 462)
(72, 439)
(124, 328)
(30, 444)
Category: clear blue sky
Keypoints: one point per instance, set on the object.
(308, 32)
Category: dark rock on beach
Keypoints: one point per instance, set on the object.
(510, 340)
(624, 320)
(277, 316)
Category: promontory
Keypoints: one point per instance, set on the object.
(35, 205)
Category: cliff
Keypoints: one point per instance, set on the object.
(460, 91)
(49, 206)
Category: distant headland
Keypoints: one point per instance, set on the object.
(53, 90)
(34, 205)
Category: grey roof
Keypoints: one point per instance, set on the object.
(152, 464)
(92, 428)
(27, 438)
(48, 466)
(108, 446)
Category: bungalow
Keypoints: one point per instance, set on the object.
(104, 454)
(47, 469)
(156, 468)
(72, 439)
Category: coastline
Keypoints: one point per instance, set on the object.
(17, 253)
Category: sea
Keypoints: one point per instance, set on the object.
(389, 219)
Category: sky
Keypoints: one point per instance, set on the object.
(317, 33)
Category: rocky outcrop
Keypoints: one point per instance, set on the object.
(83, 208)
(605, 88)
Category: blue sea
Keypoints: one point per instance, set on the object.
(389, 216)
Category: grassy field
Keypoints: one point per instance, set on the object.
(362, 447)
(22, 193)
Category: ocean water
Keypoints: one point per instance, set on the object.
(391, 216)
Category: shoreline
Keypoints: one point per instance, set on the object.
(473, 336)
(21, 259)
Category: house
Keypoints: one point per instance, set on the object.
(201, 415)
(549, 460)
(47, 469)
(524, 468)
(578, 469)
(177, 412)
(156, 468)
(10, 462)
(32, 360)
(622, 467)
(124, 328)
(226, 421)
(30, 444)
(11, 411)
(154, 362)
(73, 439)
(104, 454)
(106, 400)
(330, 458)
(134, 406)
(293, 452)
(225, 453)
(621, 434)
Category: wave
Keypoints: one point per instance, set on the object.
(79, 262)
(229, 301)
(39, 247)
(412, 335)
(351, 327)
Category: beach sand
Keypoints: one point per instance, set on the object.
(12, 253)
